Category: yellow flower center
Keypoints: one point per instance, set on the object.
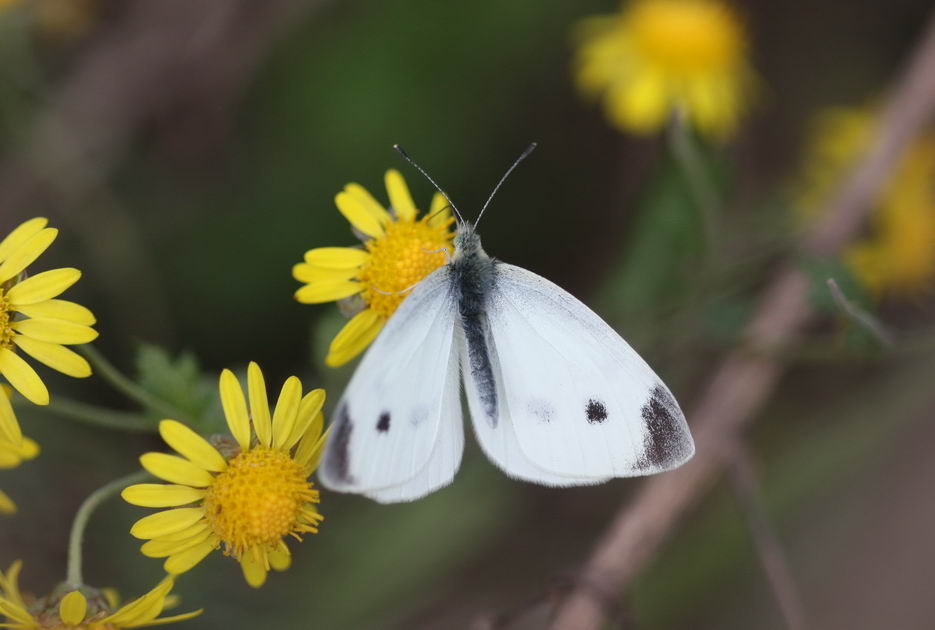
(258, 499)
(686, 36)
(409, 251)
(6, 318)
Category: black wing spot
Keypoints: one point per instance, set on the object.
(596, 411)
(338, 462)
(665, 440)
(383, 424)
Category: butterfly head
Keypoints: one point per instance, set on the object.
(467, 241)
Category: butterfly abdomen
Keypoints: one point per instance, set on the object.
(472, 278)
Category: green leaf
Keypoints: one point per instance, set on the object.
(180, 382)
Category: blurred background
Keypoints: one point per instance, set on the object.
(190, 154)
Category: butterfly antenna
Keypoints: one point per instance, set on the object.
(405, 155)
(523, 156)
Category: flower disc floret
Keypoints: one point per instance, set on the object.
(258, 499)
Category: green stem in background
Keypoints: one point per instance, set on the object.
(73, 576)
(106, 370)
(100, 416)
(688, 154)
(858, 315)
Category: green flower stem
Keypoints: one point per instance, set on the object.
(685, 149)
(106, 370)
(73, 576)
(101, 416)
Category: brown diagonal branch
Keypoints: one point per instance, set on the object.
(747, 376)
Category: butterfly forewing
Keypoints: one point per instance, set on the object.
(583, 403)
(387, 425)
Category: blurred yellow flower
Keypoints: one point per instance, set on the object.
(398, 252)
(898, 254)
(32, 320)
(87, 610)
(14, 446)
(659, 58)
(248, 501)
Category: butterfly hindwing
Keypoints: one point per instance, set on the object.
(497, 437)
(388, 425)
(583, 404)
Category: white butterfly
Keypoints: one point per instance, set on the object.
(556, 396)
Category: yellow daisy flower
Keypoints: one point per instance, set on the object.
(898, 254)
(85, 609)
(247, 499)
(32, 319)
(657, 58)
(399, 250)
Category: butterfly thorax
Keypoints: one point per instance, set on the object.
(472, 271)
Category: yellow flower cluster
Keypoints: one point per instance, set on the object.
(898, 254)
(660, 58)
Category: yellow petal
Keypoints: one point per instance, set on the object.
(254, 572)
(327, 291)
(439, 211)
(176, 469)
(182, 562)
(359, 214)
(186, 534)
(55, 331)
(111, 596)
(7, 506)
(166, 547)
(9, 426)
(309, 408)
(642, 105)
(166, 522)
(280, 558)
(310, 449)
(372, 206)
(162, 621)
(400, 199)
(161, 495)
(354, 337)
(43, 286)
(73, 608)
(287, 408)
(20, 235)
(235, 409)
(26, 253)
(59, 309)
(142, 609)
(259, 404)
(191, 445)
(22, 377)
(337, 257)
(55, 356)
(304, 272)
